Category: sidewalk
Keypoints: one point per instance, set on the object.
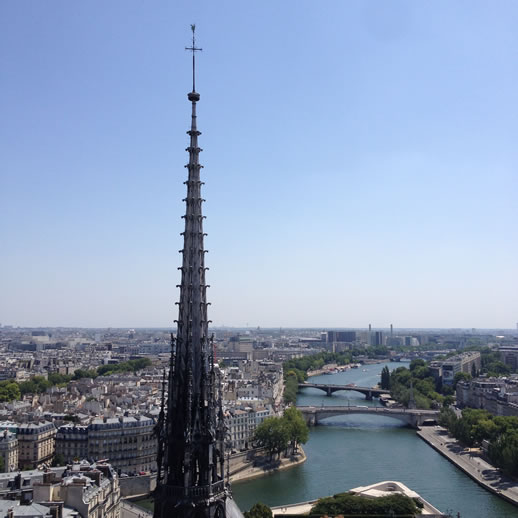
(471, 463)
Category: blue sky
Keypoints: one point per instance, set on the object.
(361, 163)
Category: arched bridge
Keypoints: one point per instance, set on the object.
(413, 417)
(368, 392)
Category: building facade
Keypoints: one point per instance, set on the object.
(499, 396)
(468, 362)
(9, 450)
(72, 443)
(509, 356)
(36, 444)
(129, 443)
(241, 425)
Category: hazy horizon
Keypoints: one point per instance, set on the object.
(360, 162)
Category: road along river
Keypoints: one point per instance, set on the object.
(350, 451)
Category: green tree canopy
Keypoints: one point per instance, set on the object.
(259, 510)
(297, 428)
(417, 363)
(9, 390)
(385, 378)
(348, 504)
(291, 387)
(476, 426)
(273, 435)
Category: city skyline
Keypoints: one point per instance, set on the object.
(360, 164)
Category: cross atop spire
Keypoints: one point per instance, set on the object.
(193, 49)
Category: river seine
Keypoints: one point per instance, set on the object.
(351, 451)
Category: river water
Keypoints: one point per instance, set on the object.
(350, 451)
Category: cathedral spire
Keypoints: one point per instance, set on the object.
(192, 454)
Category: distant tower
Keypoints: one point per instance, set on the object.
(369, 335)
(190, 481)
(391, 331)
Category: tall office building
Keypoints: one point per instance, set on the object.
(191, 451)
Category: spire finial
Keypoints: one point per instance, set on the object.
(193, 49)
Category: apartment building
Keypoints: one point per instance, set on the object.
(499, 396)
(92, 491)
(9, 451)
(466, 362)
(72, 442)
(128, 442)
(36, 444)
(241, 424)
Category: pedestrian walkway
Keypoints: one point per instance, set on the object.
(471, 462)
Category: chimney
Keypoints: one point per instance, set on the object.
(26, 498)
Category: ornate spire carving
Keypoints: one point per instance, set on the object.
(192, 453)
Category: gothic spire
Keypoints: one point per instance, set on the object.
(192, 483)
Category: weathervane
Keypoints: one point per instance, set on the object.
(193, 49)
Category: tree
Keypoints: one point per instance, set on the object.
(259, 510)
(447, 418)
(291, 387)
(417, 363)
(9, 390)
(83, 373)
(297, 428)
(448, 401)
(485, 429)
(498, 368)
(421, 372)
(349, 504)
(273, 435)
(59, 379)
(385, 378)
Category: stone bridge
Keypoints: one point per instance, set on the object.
(412, 417)
(368, 392)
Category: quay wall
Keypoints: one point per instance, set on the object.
(474, 466)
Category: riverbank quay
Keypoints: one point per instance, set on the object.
(262, 466)
(471, 463)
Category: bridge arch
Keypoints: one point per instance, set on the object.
(406, 419)
(368, 392)
(411, 417)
